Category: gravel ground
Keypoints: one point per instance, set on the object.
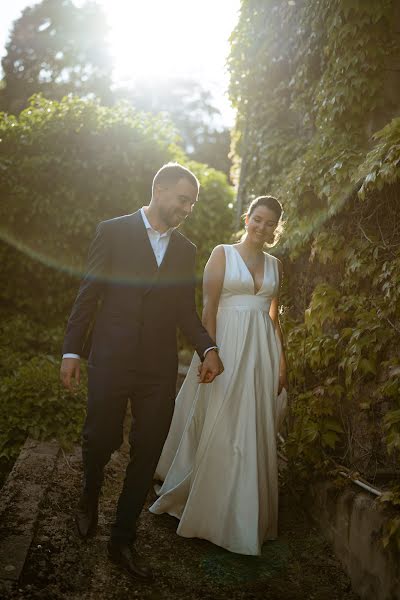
(299, 565)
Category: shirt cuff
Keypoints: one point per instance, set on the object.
(70, 355)
(208, 349)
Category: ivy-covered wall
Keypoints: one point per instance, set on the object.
(317, 89)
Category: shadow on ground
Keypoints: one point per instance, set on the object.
(299, 565)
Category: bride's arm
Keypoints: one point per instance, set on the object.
(213, 280)
(274, 314)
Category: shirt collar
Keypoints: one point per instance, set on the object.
(148, 226)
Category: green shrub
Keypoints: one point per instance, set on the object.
(20, 334)
(35, 404)
(65, 166)
(33, 401)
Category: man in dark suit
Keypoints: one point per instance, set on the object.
(138, 288)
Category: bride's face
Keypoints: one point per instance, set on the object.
(261, 225)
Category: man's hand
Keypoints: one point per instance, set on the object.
(210, 367)
(70, 373)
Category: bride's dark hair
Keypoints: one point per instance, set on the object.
(269, 202)
(273, 204)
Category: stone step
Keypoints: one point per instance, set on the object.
(20, 501)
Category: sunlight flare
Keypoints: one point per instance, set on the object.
(159, 40)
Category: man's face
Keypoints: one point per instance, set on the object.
(175, 201)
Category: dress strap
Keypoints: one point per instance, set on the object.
(272, 260)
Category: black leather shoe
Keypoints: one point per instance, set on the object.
(129, 559)
(87, 514)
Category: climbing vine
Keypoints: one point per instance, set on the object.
(317, 126)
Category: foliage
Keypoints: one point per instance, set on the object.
(21, 337)
(381, 166)
(391, 537)
(66, 166)
(315, 126)
(33, 402)
(56, 48)
(212, 219)
(307, 82)
(213, 149)
(191, 110)
(391, 533)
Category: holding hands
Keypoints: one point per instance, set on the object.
(210, 368)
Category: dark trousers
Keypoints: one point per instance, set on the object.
(152, 404)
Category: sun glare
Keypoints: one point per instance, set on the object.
(153, 40)
(149, 39)
(160, 39)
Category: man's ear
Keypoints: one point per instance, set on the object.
(159, 188)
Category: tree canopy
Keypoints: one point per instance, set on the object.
(56, 48)
(190, 107)
(64, 166)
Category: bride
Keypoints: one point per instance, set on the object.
(219, 462)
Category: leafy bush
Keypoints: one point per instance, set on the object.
(65, 166)
(22, 336)
(34, 404)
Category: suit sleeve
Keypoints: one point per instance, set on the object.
(89, 294)
(188, 320)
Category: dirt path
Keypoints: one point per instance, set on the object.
(299, 565)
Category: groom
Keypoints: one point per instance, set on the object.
(138, 288)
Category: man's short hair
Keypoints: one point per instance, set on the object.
(172, 172)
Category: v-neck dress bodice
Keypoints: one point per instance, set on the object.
(238, 287)
(219, 462)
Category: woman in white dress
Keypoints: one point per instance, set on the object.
(219, 462)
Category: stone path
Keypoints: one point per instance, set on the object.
(299, 565)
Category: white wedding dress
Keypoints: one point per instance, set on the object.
(219, 462)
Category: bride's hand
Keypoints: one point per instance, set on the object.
(283, 382)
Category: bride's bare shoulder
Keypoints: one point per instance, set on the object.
(217, 257)
(219, 250)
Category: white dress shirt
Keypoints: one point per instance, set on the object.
(159, 242)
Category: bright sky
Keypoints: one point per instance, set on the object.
(158, 39)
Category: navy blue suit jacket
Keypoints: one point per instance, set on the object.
(133, 306)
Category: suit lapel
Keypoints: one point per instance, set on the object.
(172, 270)
(168, 260)
(147, 263)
